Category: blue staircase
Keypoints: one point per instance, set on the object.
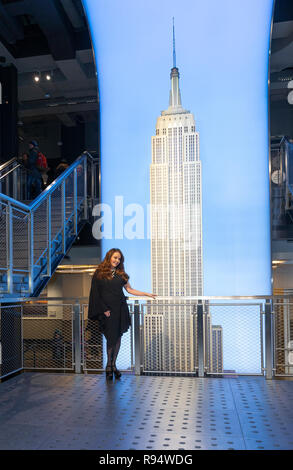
(36, 235)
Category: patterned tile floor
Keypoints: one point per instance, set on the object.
(48, 411)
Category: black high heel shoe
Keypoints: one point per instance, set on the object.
(109, 372)
(117, 372)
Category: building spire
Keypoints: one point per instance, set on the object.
(174, 51)
(175, 98)
(175, 106)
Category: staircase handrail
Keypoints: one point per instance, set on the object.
(10, 171)
(8, 163)
(40, 260)
(15, 202)
(50, 189)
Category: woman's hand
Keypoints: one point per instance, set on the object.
(131, 291)
(151, 295)
(107, 313)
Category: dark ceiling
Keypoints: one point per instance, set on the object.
(56, 27)
(283, 11)
(50, 36)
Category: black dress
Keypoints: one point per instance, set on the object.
(106, 295)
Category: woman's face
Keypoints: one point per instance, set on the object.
(115, 259)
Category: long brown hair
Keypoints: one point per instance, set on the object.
(104, 270)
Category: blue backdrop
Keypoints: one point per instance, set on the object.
(222, 54)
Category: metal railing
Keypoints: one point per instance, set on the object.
(13, 179)
(34, 237)
(214, 336)
(283, 338)
(282, 182)
(198, 336)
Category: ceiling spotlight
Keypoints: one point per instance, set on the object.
(290, 97)
(37, 77)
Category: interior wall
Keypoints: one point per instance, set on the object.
(283, 276)
(282, 120)
(54, 289)
(8, 113)
(49, 134)
(46, 133)
(73, 285)
(91, 137)
(73, 141)
(84, 255)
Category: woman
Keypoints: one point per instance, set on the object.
(107, 303)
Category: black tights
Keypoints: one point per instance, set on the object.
(112, 352)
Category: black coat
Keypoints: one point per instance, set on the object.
(107, 294)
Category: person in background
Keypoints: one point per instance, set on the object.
(51, 173)
(61, 167)
(34, 177)
(24, 159)
(42, 166)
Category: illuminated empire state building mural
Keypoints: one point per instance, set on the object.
(176, 235)
(175, 196)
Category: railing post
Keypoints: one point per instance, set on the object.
(30, 236)
(7, 186)
(77, 337)
(200, 340)
(75, 200)
(93, 179)
(49, 245)
(268, 341)
(16, 181)
(24, 184)
(137, 345)
(85, 204)
(9, 247)
(63, 212)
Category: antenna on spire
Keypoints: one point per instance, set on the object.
(174, 51)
